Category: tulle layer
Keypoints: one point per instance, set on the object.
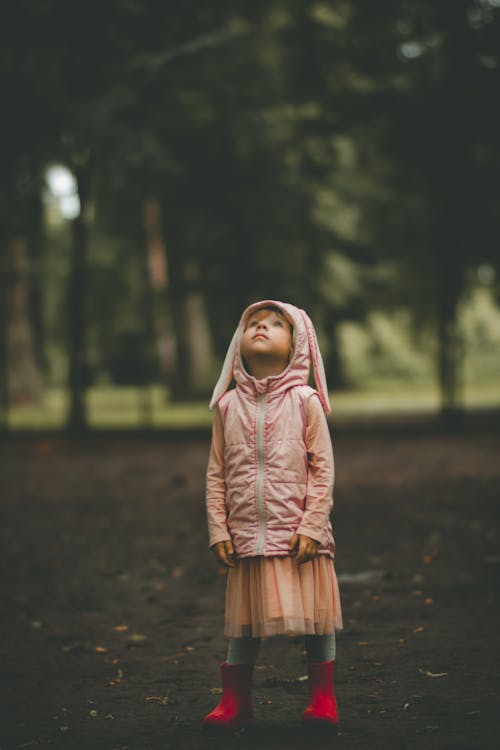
(268, 596)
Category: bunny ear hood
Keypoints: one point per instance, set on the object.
(305, 351)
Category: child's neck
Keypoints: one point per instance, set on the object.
(261, 370)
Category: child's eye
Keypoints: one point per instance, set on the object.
(278, 323)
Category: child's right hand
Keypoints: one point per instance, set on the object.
(224, 553)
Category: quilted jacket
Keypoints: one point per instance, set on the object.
(271, 470)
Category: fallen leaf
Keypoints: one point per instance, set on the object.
(93, 712)
(190, 648)
(120, 628)
(136, 639)
(101, 649)
(362, 643)
(163, 699)
(429, 600)
(433, 674)
(419, 629)
(109, 716)
(406, 707)
(216, 691)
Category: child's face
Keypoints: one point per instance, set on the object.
(267, 335)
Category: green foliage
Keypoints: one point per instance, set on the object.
(342, 156)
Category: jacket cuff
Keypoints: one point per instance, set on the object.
(221, 536)
(311, 532)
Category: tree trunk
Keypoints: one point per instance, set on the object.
(195, 355)
(5, 285)
(450, 343)
(159, 284)
(199, 344)
(35, 250)
(451, 181)
(21, 374)
(77, 287)
(335, 373)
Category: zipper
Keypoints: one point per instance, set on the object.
(261, 400)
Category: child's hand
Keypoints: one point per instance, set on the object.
(224, 553)
(303, 548)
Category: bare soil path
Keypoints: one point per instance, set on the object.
(111, 611)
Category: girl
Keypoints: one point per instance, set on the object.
(269, 496)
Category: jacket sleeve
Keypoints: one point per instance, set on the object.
(321, 473)
(216, 485)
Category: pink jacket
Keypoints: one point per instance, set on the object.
(270, 471)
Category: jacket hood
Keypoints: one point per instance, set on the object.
(305, 352)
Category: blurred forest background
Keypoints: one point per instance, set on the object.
(166, 163)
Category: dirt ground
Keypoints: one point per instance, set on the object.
(111, 612)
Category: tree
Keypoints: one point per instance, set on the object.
(432, 136)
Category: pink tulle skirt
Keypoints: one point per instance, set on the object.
(273, 595)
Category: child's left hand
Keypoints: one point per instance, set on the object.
(303, 548)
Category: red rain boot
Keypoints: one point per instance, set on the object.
(235, 708)
(322, 708)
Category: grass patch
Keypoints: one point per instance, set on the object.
(133, 408)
